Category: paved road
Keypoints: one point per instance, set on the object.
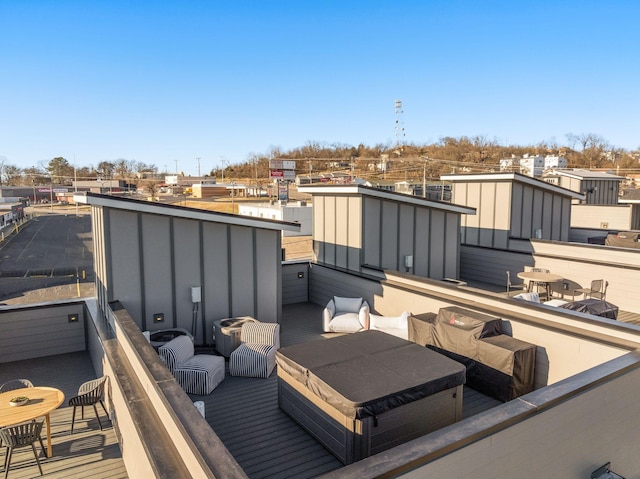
(47, 251)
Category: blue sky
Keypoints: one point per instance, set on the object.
(165, 83)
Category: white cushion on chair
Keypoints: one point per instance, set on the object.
(394, 325)
(346, 323)
(347, 305)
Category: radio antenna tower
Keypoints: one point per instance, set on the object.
(399, 129)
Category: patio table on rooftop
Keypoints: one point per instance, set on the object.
(540, 278)
(42, 400)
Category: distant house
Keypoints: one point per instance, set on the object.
(534, 166)
(598, 187)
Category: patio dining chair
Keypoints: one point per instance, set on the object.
(598, 289)
(15, 384)
(21, 435)
(89, 394)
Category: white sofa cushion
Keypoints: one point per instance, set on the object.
(346, 323)
(347, 305)
(381, 322)
(532, 297)
(394, 325)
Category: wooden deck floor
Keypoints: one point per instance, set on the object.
(264, 440)
(89, 452)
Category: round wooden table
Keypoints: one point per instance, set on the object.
(540, 278)
(42, 400)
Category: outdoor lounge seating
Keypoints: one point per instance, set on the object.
(21, 435)
(89, 394)
(345, 315)
(197, 374)
(256, 355)
(395, 325)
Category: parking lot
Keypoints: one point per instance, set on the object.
(53, 249)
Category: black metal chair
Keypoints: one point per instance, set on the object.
(20, 435)
(15, 384)
(89, 394)
(12, 386)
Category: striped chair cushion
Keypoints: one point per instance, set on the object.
(201, 374)
(256, 356)
(261, 333)
(198, 374)
(176, 352)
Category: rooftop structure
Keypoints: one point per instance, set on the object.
(582, 413)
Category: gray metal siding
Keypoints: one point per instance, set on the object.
(38, 332)
(157, 272)
(436, 251)
(268, 276)
(490, 265)
(242, 256)
(215, 264)
(354, 229)
(406, 235)
(155, 260)
(389, 228)
(124, 259)
(371, 231)
(421, 260)
(295, 289)
(187, 261)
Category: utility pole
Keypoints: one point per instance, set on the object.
(198, 158)
(424, 178)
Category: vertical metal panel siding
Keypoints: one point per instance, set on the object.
(536, 219)
(188, 263)
(437, 244)
(318, 227)
(216, 288)
(354, 228)
(330, 230)
(486, 213)
(517, 199)
(389, 230)
(474, 192)
(566, 219)
(371, 218)
(268, 265)
(99, 254)
(406, 234)
(459, 196)
(125, 261)
(342, 231)
(527, 212)
(242, 274)
(156, 248)
(556, 223)
(452, 246)
(502, 215)
(422, 258)
(547, 214)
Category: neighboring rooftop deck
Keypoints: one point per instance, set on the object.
(89, 452)
(267, 443)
